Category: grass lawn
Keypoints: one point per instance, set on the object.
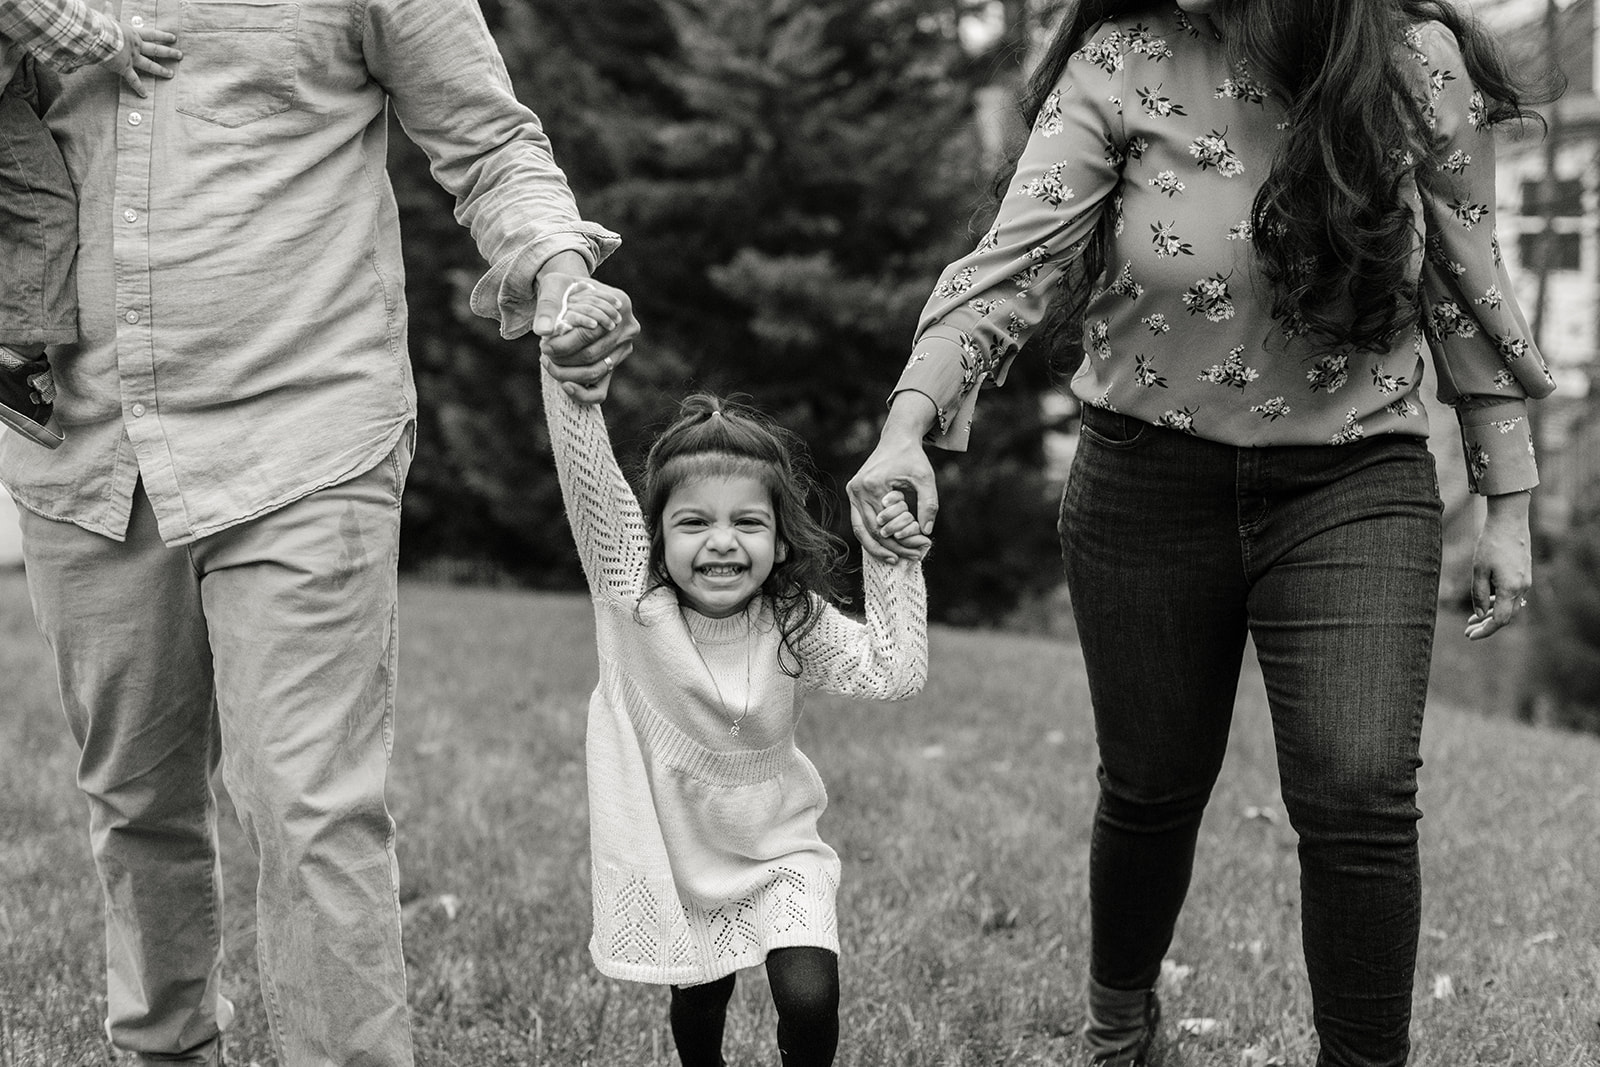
(962, 817)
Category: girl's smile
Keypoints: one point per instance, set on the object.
(720, 542)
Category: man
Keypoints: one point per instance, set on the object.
(211, 553)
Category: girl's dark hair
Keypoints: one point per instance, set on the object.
(716, 438)
(1331, 230)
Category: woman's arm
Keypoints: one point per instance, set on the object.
(1485, 356)
(986, 304)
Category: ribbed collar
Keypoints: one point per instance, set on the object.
(708, 631)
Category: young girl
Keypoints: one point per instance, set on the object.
(711, 619)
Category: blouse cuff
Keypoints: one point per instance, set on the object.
(938, 369)
(506, 292)
(1498, 442)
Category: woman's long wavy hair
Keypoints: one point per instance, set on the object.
(716, 438)
(1332, 234)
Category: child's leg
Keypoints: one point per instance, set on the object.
(805, 990)
(698, 1014)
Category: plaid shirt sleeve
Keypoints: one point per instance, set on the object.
(66, 34)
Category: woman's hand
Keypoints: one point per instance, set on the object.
(897, 464)
(1502, 566)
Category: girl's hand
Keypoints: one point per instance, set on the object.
(896, 521)
(141, 51)
(1502, 566)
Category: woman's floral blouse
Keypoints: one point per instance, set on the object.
(1151, 124)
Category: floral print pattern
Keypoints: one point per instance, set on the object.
(1180, 330)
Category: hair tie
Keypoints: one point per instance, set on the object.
(716, 413)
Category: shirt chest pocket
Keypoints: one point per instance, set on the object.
(239, 60)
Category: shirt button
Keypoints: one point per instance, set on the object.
(134, 118)
(131, 215)
(131, 316)
(137, 20)
(138, 411)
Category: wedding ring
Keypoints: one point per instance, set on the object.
(610, 364)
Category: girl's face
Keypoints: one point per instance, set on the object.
(720, 542)
(1200, 7)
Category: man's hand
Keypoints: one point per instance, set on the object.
(585, 327)
(142, 49)
(898, 464)
(1502, 566)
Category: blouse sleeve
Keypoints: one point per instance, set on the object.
(988, 303)
(607, 525)
(1483, 351)
(883, 658)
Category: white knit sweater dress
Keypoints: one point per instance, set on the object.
(704, 845)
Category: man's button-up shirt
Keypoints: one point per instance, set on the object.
(242, 315)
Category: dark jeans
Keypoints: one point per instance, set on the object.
(1328, 557)
(805, 990)
(38, 223)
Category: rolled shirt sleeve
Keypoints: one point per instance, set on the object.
(453, 95)
(1486, 359)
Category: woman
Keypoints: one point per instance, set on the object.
(1278, 203)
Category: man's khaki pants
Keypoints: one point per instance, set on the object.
(272, 646)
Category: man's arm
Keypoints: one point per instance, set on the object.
(451, 93)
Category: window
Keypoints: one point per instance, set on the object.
(1564, 250)
(1566, 198)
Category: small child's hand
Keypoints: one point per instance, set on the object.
(585, 307)
(896, 520)
(140, 51)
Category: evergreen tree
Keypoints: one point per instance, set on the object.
(789, 177)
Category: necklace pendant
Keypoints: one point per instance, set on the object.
(734, 729)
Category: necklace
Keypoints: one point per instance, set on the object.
(733, 728)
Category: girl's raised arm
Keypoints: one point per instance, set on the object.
(606, 522)
(883, 658)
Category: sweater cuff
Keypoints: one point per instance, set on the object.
(1497, 440)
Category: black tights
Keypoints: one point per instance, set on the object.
(805, 990)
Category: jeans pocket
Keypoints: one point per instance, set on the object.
(1112, 428)
(239, 60)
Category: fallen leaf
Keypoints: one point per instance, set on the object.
(1199, 1027)
(1541, 937)
(1435, 935)
(1173, 973)
(1263, 814)
(1256, 1056)
(1443, 987)
(933, 752)
(1056, 737)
